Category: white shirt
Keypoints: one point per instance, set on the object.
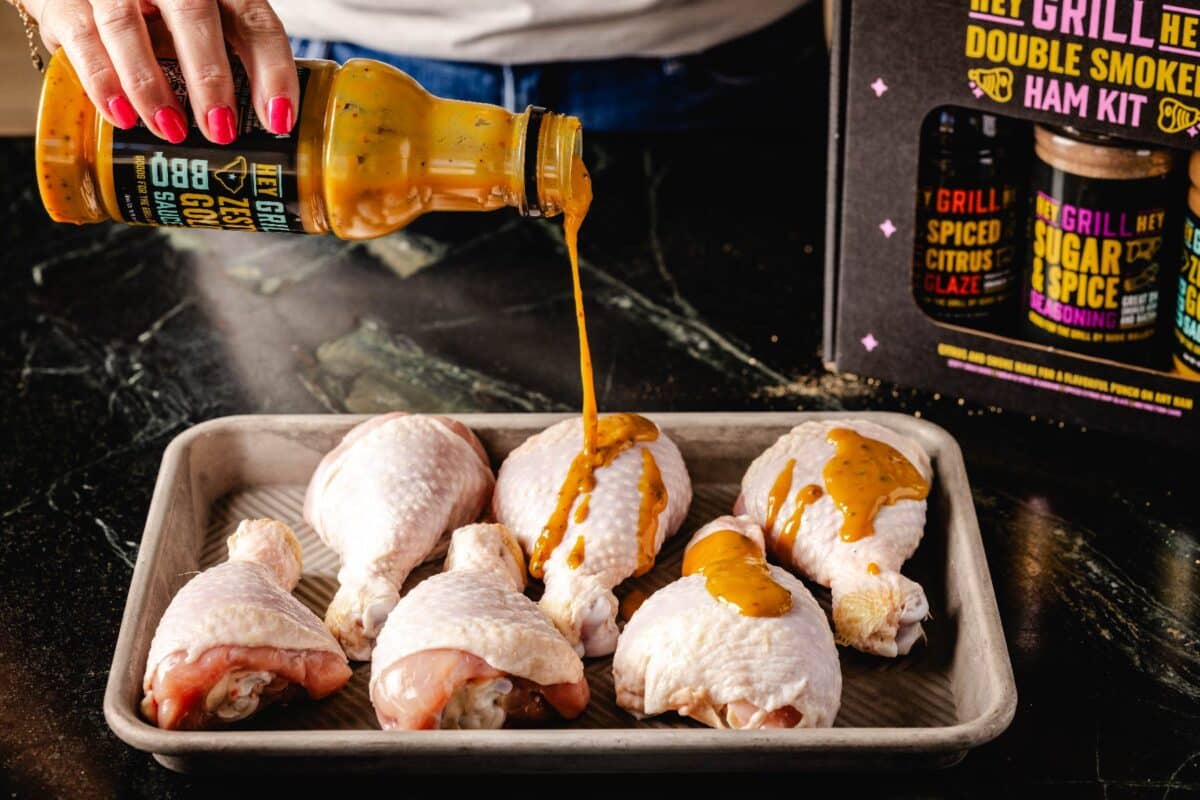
(528, 31)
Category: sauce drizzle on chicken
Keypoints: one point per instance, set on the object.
(654, 501)
(865, 475)
(787, 537)
(778, 495)
(614, 435)
(575, 557)
(603, 439)
(581, 510)
(736, 571)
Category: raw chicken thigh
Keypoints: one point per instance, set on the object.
(382, 499)
(465, 649)
(234, 638)
(843, 502)
(587, 531)
(734, 643)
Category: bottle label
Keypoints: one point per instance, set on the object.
(249, 185)
(965, 251)
(1187, 311)
(1095, 258)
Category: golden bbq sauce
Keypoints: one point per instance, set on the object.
(574, 213)
(631, 602)
(582, 509)
(736, 571)
(614, 435)
(603, 439)
(778, 494)
(654, 501)
(872, 568)
(863, 476)
(787, 537)
(575, 557)
(370, 152)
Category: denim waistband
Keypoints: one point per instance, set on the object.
(727, 86)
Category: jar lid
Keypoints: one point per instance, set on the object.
(1097, 155)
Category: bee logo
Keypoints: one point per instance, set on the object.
(233, 175)
(1174, 116)
(996, 83)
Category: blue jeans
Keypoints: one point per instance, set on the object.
(727, 87)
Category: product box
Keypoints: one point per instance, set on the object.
(1082, 237)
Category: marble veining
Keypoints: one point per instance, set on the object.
(114, 339)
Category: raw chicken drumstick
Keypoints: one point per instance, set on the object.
(734, 643)
(235, 639)
(843, 502)
(590, 520)
(382, 500)
(465, 649)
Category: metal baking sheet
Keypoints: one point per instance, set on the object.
(929, 708)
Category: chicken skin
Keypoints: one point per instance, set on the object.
(466, 649)
(589, 521)
(382, 499)
(843, 503)
(234, 639)
(734, 643)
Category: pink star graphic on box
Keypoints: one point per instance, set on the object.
(869, 342)
(879, 86)
(975, 90)
(888, 228)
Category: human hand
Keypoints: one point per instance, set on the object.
(111, 44)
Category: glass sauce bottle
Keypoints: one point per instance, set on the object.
(371, 151)
(967, 235)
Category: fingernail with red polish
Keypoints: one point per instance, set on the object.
(170, 123)
(279, 115)
(122, 112)
(221, 124)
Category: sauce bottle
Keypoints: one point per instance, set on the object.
(1187, 310)
(1099, 218)
(371, 151)
(964, 259)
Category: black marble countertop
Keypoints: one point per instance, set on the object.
(703, 273)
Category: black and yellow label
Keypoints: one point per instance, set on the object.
(249, 185)
(965, 259)
(1095, 255)
(1187, 310)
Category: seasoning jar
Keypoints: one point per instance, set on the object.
(967, 232)
(1099, 214)
(1187, 308)
(371, 151)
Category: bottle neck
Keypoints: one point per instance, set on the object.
(551, 149)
